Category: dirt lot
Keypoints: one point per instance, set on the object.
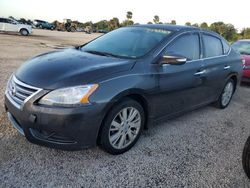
(200, 149)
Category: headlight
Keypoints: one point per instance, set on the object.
(71, 96)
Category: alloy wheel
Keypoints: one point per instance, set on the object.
(227, 93)
(125, 127)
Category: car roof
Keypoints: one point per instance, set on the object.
(167, 27)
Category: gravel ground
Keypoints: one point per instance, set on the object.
(199, 149)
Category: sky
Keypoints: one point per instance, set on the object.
(194, 11)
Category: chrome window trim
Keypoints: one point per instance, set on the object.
(198, 32)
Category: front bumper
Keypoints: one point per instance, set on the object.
(62, 128)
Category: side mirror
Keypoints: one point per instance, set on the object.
(173, 60)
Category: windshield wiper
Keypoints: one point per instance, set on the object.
(102, 53)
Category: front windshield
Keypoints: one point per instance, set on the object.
(243, 47)
(130, 42)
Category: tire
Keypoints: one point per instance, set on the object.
(24, 32)
(246, 158)
(225, 98)
(124, 134)
(72, 29)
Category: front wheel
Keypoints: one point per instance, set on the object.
(122, 127)
(24, 32)
(226, 95)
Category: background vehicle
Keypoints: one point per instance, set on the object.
(106, 91)
(43, 24)
(10, 25)
(243, 47)
(69, 25)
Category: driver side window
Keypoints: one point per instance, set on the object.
(187, 45)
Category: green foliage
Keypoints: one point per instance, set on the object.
(156, 19)
(129, 15)
(150, 23)
(11, 17)
(204, 25)
(128, 21)
(228, 31)
(245, 33)
(188, 24)
(173, 22)
(195, 25)
(102, 25)
(113, 24)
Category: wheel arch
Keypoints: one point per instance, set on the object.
(24, 29)
(133, 94)
(234, 77)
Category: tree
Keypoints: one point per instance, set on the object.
(173, 22)
(129, 20)
(22, 20)
(129, 15)
(127, 23)
(218, 27)
(231, 33)
(102, 25)
(195, 25)
(150, 23)
(204, 25)
(245, 33)
(113, 24)
(11, 17)
(188, 24)
(156, 19)
(228, 31)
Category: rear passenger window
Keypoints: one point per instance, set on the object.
(187, 45)
(212, 46)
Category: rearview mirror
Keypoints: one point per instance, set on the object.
(173, 60)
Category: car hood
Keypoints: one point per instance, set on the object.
(69, 68)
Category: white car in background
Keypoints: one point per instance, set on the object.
(10, 25)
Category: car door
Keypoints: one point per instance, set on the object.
(10, 25)
(180, 86)
(215, 64)
(1, 24)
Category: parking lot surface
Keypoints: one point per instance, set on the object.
(199, 149)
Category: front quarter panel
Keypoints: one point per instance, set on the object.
(135, 81)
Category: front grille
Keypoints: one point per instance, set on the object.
(19, 92)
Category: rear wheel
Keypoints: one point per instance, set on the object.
(24, 32)
(246, 158)
(226, 95)
(122, 127)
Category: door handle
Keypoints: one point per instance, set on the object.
(200, 73)
(227, 67)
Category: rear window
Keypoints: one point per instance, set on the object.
(212, 46)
